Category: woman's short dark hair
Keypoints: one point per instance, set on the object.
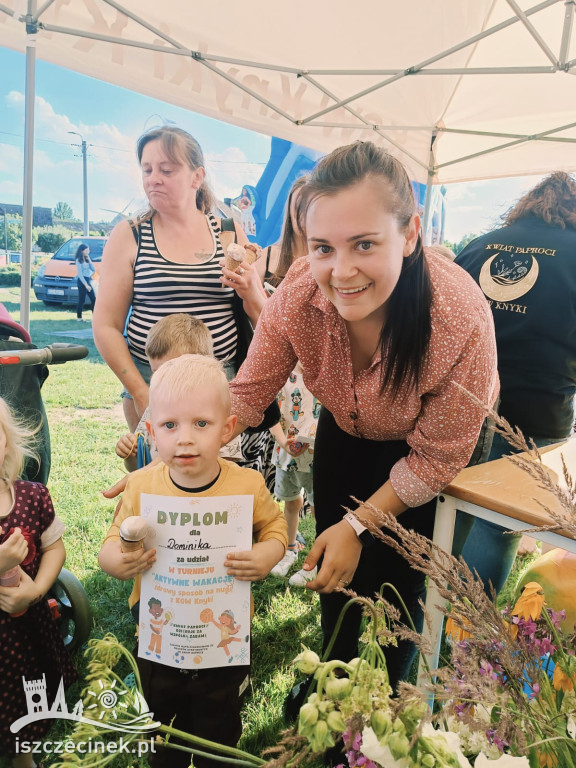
(182, 149)
(553, 200)
(405, 335)
(80, 252)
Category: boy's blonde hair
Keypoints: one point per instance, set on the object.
(177, 335)
(19, 440)
(178, 378)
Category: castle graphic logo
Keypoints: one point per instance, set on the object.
(107, 706)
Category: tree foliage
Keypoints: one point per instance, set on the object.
(49, 239)
(63, 211)
(459, 246)
(12, 234)
(48, 242)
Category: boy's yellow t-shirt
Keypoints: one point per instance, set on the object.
(268, 520)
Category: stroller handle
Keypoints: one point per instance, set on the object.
(52, 354)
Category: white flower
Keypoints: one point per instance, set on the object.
(451, 740)
(505, 761)
(373, 750)
(472, 742)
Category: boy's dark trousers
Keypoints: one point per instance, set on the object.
(205, 703)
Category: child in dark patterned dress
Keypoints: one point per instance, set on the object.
(31, 555)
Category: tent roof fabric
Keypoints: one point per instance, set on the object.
(440, 83)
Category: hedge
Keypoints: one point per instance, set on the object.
(10, 275)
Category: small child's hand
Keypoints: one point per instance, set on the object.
(124, 565)
(256, 563)
(20, 598)
(295, 447)
(13, 550)
(127, 446)
(133, 563)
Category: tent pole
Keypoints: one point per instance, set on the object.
(27, 209)
(428, 199)
(427, 205)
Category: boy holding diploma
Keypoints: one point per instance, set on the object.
(189, 421)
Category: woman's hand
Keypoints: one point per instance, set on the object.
(248, 285)
(340, 549)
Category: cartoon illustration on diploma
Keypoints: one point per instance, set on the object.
(198, 616)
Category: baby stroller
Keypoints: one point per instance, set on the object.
(23, 371)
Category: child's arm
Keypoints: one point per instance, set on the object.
(278, 434)
(291, 446)
(32, 591)
(257, 563)
(124, 565)
(13, 551)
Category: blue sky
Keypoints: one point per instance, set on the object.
(110, 120)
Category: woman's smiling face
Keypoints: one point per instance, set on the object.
(357, 247)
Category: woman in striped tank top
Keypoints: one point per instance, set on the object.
(168, 262)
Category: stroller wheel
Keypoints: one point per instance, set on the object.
(75, 615)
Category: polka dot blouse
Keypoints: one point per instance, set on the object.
(439, 421)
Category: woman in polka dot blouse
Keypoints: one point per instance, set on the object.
(384, 331)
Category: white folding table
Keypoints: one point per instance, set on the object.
(504, 494)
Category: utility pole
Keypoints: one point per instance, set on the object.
(5, 234)
(85, 183)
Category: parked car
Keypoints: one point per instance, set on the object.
(55, 282)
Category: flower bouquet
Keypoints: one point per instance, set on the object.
(505, 697)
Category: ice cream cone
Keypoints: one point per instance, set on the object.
(235, 255)
(252, 253)
(130, 546)
(132, 533)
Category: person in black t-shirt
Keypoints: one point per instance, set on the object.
(527, 270)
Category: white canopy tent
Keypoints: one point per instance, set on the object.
(457, 89)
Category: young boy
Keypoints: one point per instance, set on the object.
(293, 458)
(189, 420)
(169, 338)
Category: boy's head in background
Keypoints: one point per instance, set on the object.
(189, 417)
(177, 335)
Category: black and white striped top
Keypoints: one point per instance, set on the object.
(163, 287)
